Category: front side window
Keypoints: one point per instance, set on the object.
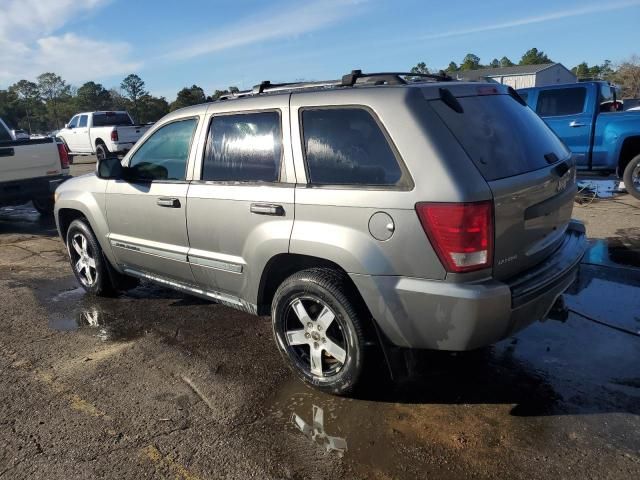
(244, 147)
(345, 146)
(164, 155)
(73, 123)
(562, 101)
(83, 121)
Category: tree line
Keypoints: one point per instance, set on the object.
(626, 74)
(49, 102)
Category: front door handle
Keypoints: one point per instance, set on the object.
(168, 202)
(267, 209)
(576, 124)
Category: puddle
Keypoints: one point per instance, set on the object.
(25, 219)
(110, 319)
(615, 251)
(600, 188)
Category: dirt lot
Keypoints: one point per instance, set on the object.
(155, 384)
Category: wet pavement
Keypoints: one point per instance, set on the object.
(156, 384)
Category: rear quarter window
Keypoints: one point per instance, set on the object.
(502, 137)
(346, 146)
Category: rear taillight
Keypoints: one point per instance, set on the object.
(461, 233)
(63, 155)
(114, 136)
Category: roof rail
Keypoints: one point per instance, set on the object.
(391, 78)
(348, 80)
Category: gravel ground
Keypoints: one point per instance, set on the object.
(155, 384)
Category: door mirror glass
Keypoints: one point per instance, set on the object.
(110, 169)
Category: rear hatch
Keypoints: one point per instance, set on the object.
(524, 163)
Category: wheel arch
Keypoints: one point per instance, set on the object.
(629, 149)
(283, 265)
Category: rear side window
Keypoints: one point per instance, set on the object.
(501, 136)
(563, 101)
(111, 119)
(83, 121)
(244, 147)
(164, 155)
(345, 146)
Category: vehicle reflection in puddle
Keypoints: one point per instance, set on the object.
(316, 432)
(617, 251)
(103, 318)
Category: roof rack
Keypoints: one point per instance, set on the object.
(348, 80)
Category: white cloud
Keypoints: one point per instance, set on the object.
(575, 12)
(30, 44)
(293, 19)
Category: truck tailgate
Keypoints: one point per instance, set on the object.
(28, 159)
(130, 134)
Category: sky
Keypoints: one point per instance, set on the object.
(218, 43)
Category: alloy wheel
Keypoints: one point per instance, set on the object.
(320, 346)
(83, 260)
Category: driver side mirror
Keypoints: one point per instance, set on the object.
(110, 169)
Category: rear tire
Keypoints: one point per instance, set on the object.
(44, 206)
(101, 151)
(631, 177)
(319, 330)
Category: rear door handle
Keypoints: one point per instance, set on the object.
(168, 202)
(7, 152)
(267, 209)
(575, 124)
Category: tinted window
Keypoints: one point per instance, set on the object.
(563, 101)
(111, 119)
(83, 121)
(163, 156)
(244, 148)
(346, 146)
(501, 136)
(73, 122)
(5, 136)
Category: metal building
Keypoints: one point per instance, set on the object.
(522, 76)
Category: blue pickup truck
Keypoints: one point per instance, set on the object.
(586, 117)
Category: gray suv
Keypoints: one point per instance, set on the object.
(408, 210)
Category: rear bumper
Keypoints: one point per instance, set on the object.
(17, 192)
(419, 313)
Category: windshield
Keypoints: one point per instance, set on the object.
(111, 119)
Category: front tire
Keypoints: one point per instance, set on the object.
(631, 177)
(87, 261)
(319, 330)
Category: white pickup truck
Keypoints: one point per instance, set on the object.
(31, 170)
(101, 133)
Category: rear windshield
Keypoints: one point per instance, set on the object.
(502, 137)
(111, 119)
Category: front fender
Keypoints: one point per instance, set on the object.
(86, 195)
